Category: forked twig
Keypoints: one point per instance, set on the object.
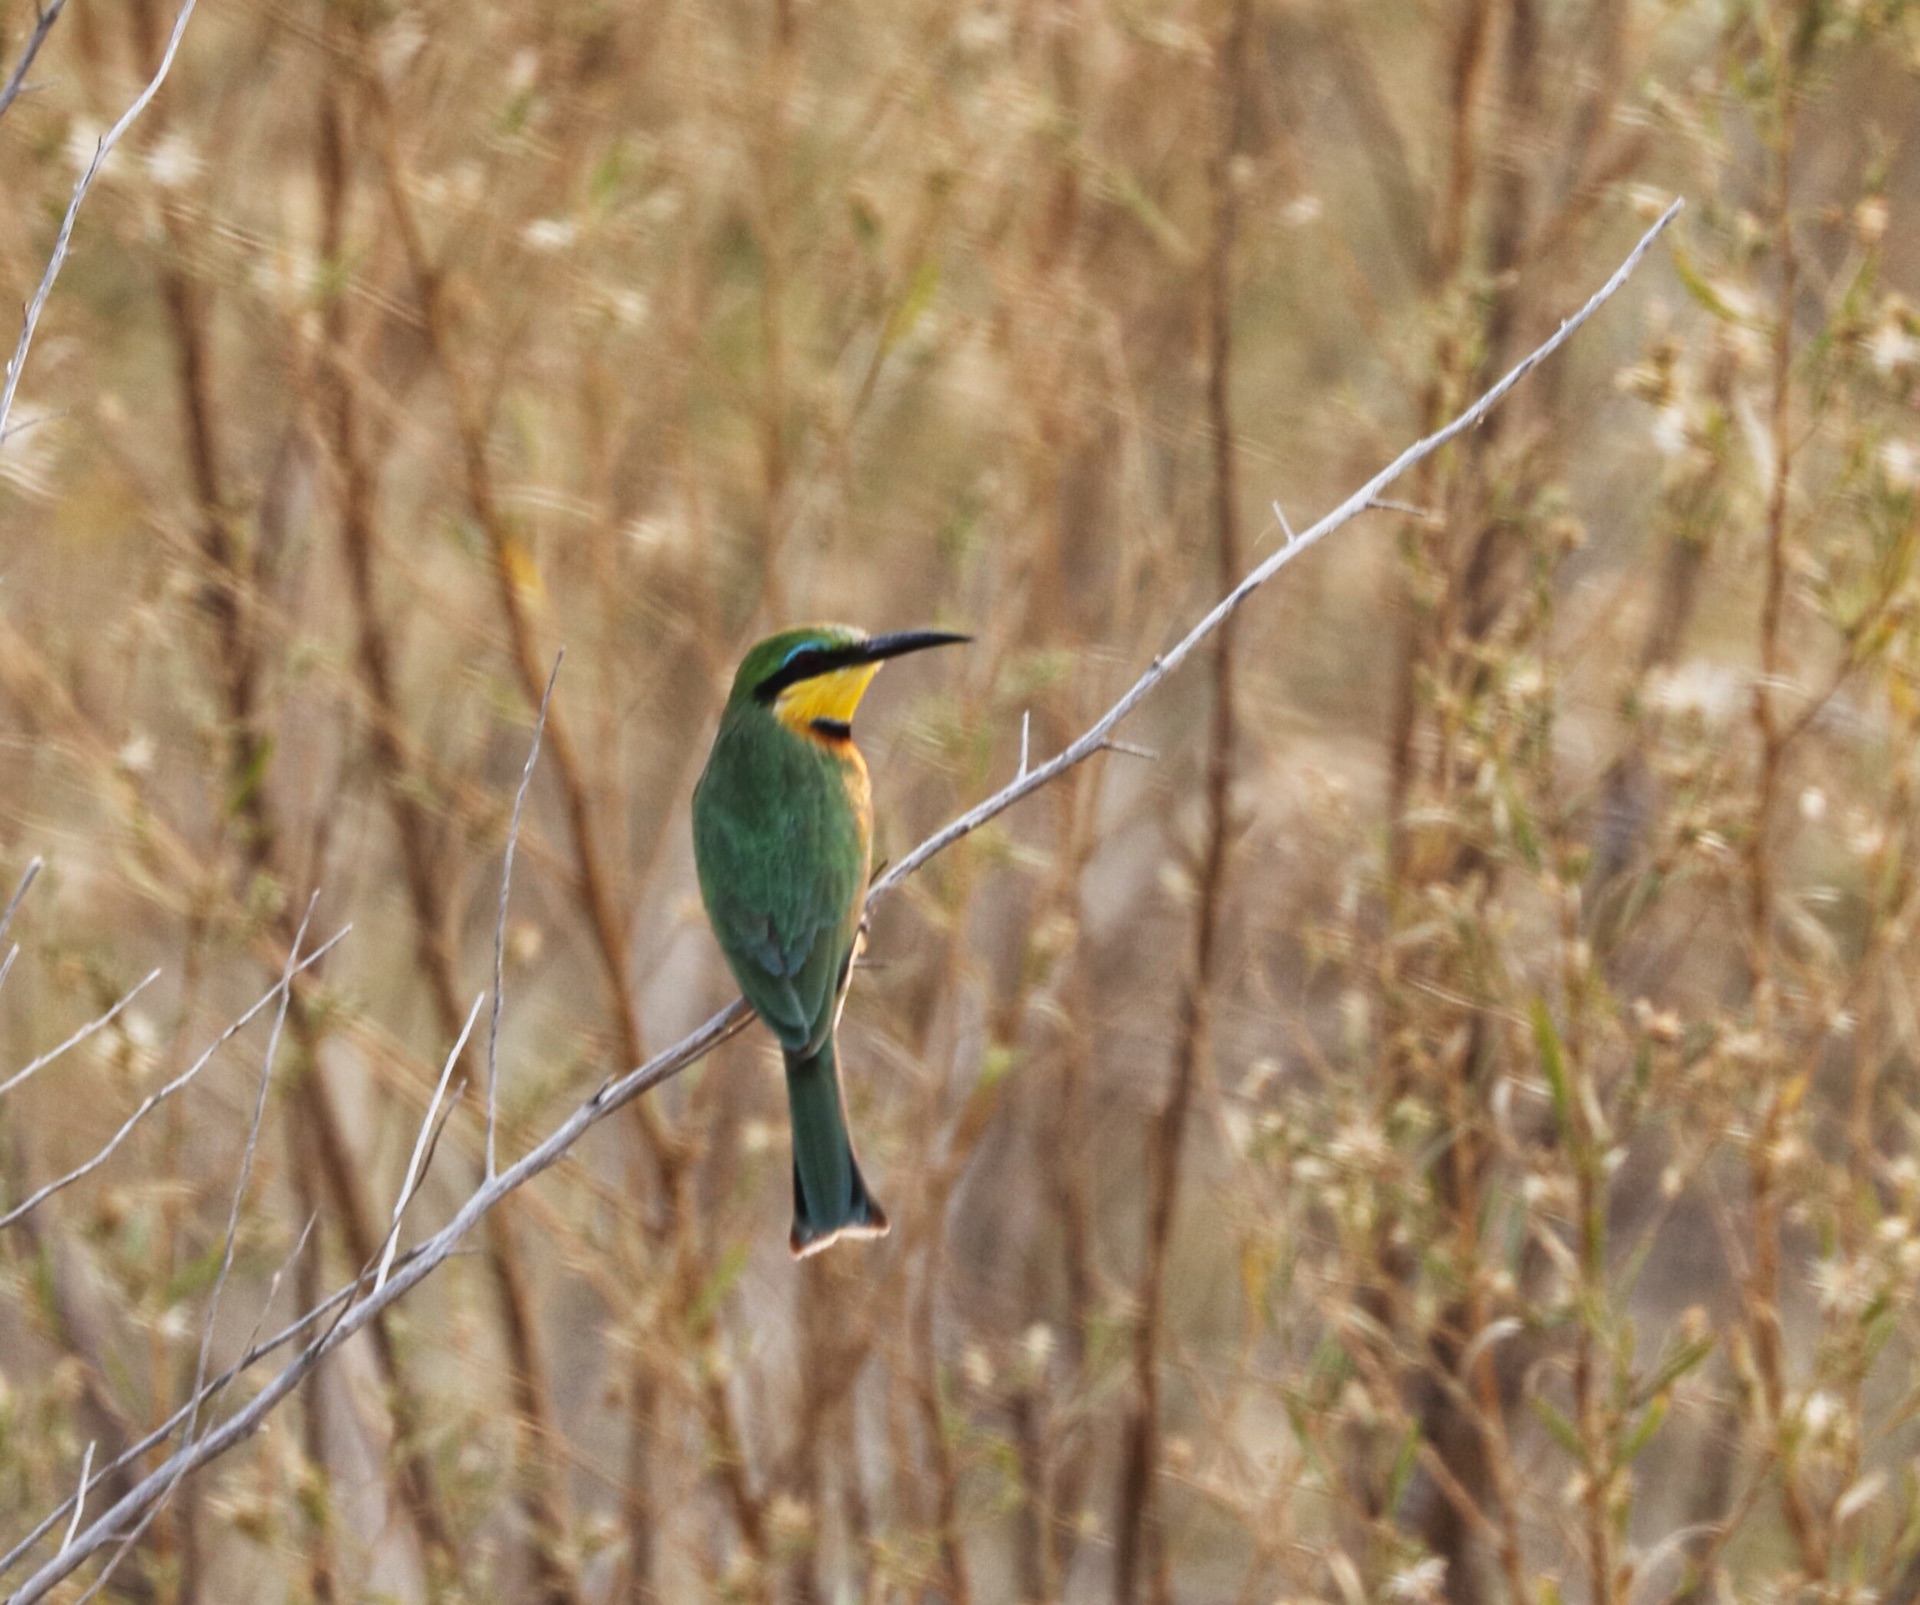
(266, 1304)
(257, 1352)
(198, 1393)
(500, 918)
(138, 1500)
(44, 19)
(246, 1162)
(1356, 504)
(154, 1099)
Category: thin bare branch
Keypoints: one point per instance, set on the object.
(106, 1528)
(500, 923)
(98, 1023)
(1356, 504)
(1386, 504)
(415, 1172)
(199, 1390)
(27, 878)
(154, 1099)
(246, 1158)
(80, 1494)
(295, 1328)
(61, 241)
(43, 21)
(273, 1290)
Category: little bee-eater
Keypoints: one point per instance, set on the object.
(782, 837)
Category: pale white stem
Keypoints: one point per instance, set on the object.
(1092, 740)
(239, 1199)
(250, 1358)
(200, 1392)
(79, 1497)
(27, 877)
(500, 917)
(420, 1145)
(1383, 504)
(98, 1023)
(43, 20)
(54, 263)
(6, 915)
(154, 1099)
(266, 1304)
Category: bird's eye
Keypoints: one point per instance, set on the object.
(799, 664)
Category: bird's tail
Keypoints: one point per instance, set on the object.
(830, 1197)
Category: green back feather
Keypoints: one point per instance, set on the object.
(782, 852)
(781, 839)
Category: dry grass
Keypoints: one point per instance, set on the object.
(1441, 1130)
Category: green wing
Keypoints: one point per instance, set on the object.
(782, 857)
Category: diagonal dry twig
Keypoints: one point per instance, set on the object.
(6, 916)
(43, 20)
(1356, 504)
(254, 1354)
(98, 1023)
(266, 1304)
(27, 877)
(198, 1392)
(416, 1169)
(31, 321)
(245, 1177)
(500, 921)
(160, 1095)
(615, 1094)
(80, 1494)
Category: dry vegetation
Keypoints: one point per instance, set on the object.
(1442, 1129)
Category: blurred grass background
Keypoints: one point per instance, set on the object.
(1442, 1129)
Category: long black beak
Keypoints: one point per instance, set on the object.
(898, 645)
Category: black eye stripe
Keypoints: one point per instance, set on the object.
(807, 663)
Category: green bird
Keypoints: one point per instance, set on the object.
(782, 839)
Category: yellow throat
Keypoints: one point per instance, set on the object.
(821, 708)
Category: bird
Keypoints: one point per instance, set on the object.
(782, 844)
